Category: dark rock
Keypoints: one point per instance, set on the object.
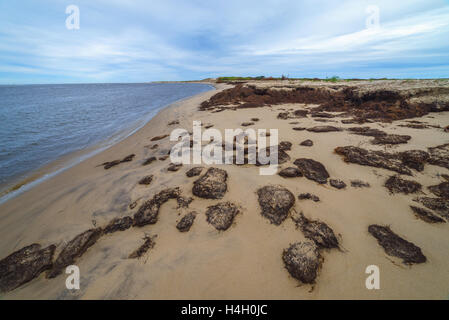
(367, 131)
(414, 159)
(439, 156)
(308, 196)
(110, 164)
(186, 222)
(426, 215)
(376, 159)
(391, 139)
(440, 190)
(396, 246)
(275, 202)
(299, 128)
(184, 202)
(300, 113)
(290, 172)
(113, 163)
(163, 158)
(24, 265)
(74, 249)
(317, 231)
(173, 122)
(212, 185)
(414, 126)
(349, 121)
(324, 129)
(397, 185)
(247, 124)
(159, 137)
(196, 171)
(148, 161)
(302, 260)
(255, 119)
(149, 210)
(283, 115)
(174, 167)
(322, 115)
(146, 180)
(285, 145)
(128, 158)
(359, 184)
(307, 143)
(337, 183)
(154, 146)
(222, 215)
(148, 244)
(323, 120)
(312, 170)
(119, 224)
(414, 121)
(133, 204)
(439, 205)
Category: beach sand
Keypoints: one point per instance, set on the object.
(245, 261)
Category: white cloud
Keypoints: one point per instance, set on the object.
(431, 22)
(160, 40)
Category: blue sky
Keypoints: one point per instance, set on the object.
(137, 41)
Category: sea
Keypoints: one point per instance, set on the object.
(42, 123)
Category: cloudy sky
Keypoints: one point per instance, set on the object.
(136, 41)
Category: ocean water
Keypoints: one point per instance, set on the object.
(40, 123)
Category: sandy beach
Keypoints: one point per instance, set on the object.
(246, 261)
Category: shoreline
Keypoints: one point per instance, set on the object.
(26, 181)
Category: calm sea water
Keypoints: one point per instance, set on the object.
(40, 123)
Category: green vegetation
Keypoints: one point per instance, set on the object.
(283, 77)
(331, 79)
(243, 78)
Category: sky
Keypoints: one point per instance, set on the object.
(151, 40)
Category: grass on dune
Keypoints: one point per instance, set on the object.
(331, 79)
